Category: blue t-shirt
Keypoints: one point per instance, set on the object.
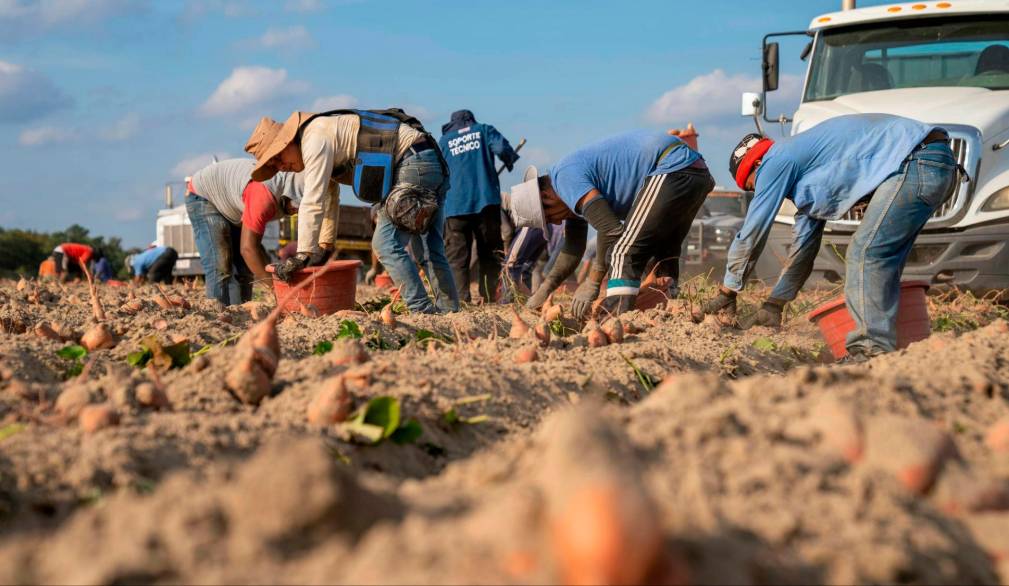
(618, 167)
(473, 180)
(143, 261)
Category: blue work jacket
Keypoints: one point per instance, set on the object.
(469, 151)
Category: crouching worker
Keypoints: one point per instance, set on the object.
(390, 160)
(154, 264)
(69, 258)
(906, 168)
(651, 179)
(229, 213)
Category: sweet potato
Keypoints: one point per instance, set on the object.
(98, 337)
(519, 327)
(95, 417)
(331, 404)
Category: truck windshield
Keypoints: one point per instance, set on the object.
(949, 52)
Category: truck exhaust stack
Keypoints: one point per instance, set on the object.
(847, 4)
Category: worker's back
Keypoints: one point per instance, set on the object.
(47, 269)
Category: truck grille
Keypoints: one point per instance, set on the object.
(947, 208)
(180, 237)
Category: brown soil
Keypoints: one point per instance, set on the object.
(735, 469)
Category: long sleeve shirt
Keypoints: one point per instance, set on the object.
(469, 152)
(824, 171)
(328, 150)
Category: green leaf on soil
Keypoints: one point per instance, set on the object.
(375, 341)
(140, 358)
(422, 335)
(11, 429)
(349, 329)
(407, 433)
(322, 347)
(164, 357)
(646, 380)
(377, 420)
(764, 345)
(72, 352)
(76, 368)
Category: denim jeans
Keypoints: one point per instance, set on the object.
(896, 214)
(423, 169)
(228, 278)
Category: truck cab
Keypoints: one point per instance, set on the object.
(943, 63)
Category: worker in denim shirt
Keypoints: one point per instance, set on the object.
(906, 168)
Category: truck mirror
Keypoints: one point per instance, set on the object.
(806, 50)
(770, 67)
(750, 105)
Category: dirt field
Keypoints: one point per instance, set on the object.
(753, 461)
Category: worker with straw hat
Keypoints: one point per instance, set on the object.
(639, 190)
(392, 162)
(895, 171)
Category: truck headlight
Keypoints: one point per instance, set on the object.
(998, 201)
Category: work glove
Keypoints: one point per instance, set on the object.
(673, 289)
(286, 269)
(585, 295)
(369, 277)
(539, 297)
(768, 315)
(724, 302)
(320, 257)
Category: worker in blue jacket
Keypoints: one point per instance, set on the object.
(902, 168)
(473, 202)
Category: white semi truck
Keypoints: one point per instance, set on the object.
(944, 63)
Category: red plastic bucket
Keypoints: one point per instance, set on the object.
(383, 281)
(913, 323)
(331, 292)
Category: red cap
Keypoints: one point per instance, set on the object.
(750, 159)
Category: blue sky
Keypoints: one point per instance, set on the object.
(104, 101)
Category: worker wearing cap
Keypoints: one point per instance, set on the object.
(154, 264)
(906, 170)
(473, 201)
(652, 179)
(69, 257)
(229, 213)
(391, 161)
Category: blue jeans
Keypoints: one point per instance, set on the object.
(896, 214)
(228, 278)
(423, 169)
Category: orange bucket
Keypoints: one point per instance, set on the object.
(913, 323)
(383, 281)
(331, 292)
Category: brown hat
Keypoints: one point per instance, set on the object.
(269, 138)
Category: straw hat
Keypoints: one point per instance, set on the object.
(269, 138)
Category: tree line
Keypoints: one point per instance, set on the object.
(21, 251)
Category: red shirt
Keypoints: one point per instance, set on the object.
(260, 207)
(78, 252)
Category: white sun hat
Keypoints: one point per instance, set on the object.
(526, 205)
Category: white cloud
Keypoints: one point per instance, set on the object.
(713, 97)
(26, 95)
(303, 5)
(250, 86)
(337, 102)
(193, 163)
(288, 39)
(18, 17)
(123, 129)
(45, 135)
(196, 9)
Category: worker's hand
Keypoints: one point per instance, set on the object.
(369, 277)
(321, 257)
(723, 303)
(286, 269)
(769, 314)
(537, 299)
(585, 295)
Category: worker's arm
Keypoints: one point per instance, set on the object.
(254, 255)
(138, 279)
(807, 235)
(570, 254)
(597, 211)
(774, 181)
(500, 146)
(317, 154)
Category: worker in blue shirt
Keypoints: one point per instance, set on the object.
(473, 201)
(903, 168)
(652, 180)
(155, 264)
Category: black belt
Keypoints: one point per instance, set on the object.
(419, 147)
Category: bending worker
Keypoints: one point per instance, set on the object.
(229, 213)
(390, 160)
(473, 202)
(69, 258)
(653, 179)
(906, 168)
(154, 264)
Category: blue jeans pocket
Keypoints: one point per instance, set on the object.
(935, 180)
